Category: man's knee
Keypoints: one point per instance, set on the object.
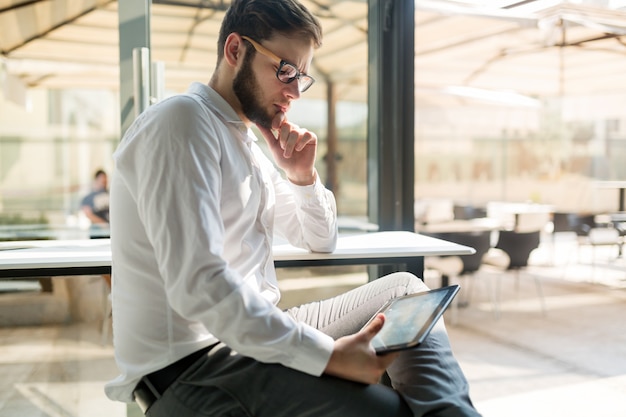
(409, 281)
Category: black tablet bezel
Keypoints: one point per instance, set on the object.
(430, 321)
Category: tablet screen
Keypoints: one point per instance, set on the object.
(409, 319)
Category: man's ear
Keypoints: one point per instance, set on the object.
(234, 49)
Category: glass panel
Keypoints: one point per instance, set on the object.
(516, 118)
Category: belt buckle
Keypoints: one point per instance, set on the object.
(145, 394)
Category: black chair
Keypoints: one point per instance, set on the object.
(619, 222)
(518, 246)
(564, 222)
(465, 266)
(583, 223)
(468, 212)
(479, 240)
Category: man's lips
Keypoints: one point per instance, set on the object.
(282, 108)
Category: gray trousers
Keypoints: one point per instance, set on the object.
(426, 381)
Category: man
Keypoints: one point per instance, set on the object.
(195, 205)
(95, 205)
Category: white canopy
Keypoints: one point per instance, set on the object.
(563, 49)
(74, 43)
(545, 51)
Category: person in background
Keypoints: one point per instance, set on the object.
(195, 205)
(95, 206)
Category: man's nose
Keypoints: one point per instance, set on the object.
(294, 89)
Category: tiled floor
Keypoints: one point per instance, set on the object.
(570, 362)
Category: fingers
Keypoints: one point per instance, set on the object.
(370, 331)
(374, 327)
(294, 139)
(278, 120)
(354, 357)
(289, 136)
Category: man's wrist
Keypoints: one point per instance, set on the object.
(304, 180)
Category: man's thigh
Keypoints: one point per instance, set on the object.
(226, 384)
(347, 313)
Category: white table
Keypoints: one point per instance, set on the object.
(48, 258)
(619, 185)
(483, 224)
(521, 217)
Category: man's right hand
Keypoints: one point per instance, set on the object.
(355, 359)
(294, 149)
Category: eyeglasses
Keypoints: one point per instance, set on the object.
(286, 72)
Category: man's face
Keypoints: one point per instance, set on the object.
(260, 94)
(248, 92)
(102, 182)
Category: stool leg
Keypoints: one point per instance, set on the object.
(107, 318)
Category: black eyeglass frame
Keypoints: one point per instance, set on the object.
(305, 81)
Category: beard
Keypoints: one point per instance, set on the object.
(246, 88)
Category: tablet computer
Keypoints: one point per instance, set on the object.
(409, 319)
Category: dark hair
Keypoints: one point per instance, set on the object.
(98, 173)
(260, 19)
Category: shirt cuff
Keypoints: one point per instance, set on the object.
(314, 352)
(308, 194)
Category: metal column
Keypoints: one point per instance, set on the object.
(134, 32)
(391, 125)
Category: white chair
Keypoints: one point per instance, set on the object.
(602, 236)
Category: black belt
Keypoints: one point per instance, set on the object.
(152, 386)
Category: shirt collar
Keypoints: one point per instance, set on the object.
(213, 100)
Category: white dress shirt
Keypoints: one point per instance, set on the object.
(194, 206)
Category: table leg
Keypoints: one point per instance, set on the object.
(445, 280)
(414, 265)
(621, 210)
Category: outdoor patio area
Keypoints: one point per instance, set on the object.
(569, 362)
